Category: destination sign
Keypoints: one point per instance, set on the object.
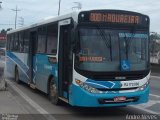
(114, 18)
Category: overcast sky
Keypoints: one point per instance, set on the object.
(35, 10)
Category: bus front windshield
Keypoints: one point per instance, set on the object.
(104, 50)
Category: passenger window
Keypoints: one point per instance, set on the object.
(52, 38)
(26, 41)
(16, 42)
(41, 40)
(21, 43)
(12, 42)
(8, 42)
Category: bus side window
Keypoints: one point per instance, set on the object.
(26, 41)
(21, 43)
(12, 42)
(8, 42)
(52, 38)
(41, 40)
(16, 42)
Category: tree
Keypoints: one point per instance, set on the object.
(9, 29)
(154, 36)
(155, 43)
(3, 31)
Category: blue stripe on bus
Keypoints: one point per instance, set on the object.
(18, 62)
(103, 84)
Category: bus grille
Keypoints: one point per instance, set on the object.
(127, 77)
(116, 89)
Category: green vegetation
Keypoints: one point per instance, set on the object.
(3, 31)
(155, 43)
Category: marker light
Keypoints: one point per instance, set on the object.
(78, 82)
(143, 86)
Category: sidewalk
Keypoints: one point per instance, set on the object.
(8, 104)
(12, 103)
(3, 84)
(2, 80)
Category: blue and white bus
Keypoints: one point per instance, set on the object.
(95, 58)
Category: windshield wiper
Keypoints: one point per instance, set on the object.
(106, 41)
(128, 43)
(110, 46)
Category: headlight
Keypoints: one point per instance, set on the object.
(87, 87)
(143, 86)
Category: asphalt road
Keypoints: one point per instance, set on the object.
(32, 104)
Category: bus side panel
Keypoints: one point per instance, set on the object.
(10, 66)
(19, 60)
(22, 66)
(43, 69)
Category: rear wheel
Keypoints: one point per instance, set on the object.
(53, 93)
(17, 76)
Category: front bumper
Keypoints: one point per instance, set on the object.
(82, 98)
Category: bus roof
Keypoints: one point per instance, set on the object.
(73, 15)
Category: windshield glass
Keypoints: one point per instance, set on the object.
(102, 49)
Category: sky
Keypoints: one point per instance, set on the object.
(36, 10)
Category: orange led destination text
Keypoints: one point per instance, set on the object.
(114, 18)
(90, 59)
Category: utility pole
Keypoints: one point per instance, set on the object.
(16, 10)
(59, 8)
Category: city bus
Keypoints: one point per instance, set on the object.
(94, 58)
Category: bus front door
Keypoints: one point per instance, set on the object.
(64, 58)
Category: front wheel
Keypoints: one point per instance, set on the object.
(53, 93)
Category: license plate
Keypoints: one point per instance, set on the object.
(119, 99)
(128, 84)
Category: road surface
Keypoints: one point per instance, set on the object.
(26, 104)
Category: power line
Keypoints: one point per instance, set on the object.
(16, 10)
(6, 24)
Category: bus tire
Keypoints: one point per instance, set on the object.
(16, 77)
(53, 92)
